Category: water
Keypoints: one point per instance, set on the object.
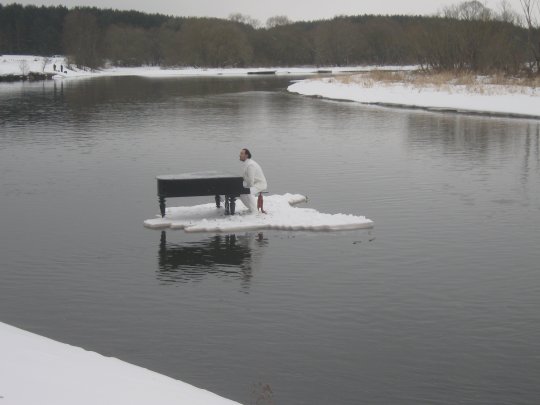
(438, 304)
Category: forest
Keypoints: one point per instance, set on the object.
(465, 37)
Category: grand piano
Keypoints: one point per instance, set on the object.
(201, 184)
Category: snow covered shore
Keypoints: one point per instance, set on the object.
(18, 64)
(37, 370)
(22, 65)
(503, 100)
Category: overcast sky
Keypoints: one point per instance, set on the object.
(261, 10)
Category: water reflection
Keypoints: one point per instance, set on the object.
(457, 133)
(84, 100)
(58, 90)
(476, 139)
(231, 256)
(114, 90)
(532, 151)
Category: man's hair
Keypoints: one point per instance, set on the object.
(247, 152)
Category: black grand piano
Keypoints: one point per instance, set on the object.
(201, 184)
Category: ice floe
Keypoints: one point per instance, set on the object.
(281, 215)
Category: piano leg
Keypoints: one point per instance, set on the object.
(218, 201)
(232, 205)
(227, 207)
(162, 206)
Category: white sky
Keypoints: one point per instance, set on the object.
(261, 10)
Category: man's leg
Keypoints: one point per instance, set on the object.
(249, 201)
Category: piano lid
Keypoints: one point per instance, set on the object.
(198, 176)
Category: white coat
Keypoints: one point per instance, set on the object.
(254, 180)
(254, 177)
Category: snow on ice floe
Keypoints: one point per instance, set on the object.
(281, 215)
(37, 370)
(496, 99)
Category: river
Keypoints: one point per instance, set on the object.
(439, 303)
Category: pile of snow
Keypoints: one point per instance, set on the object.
(280, 215)
(495, 99)
(37, 370)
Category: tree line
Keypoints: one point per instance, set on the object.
(468, 36)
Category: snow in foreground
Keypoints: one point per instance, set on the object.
(37, 370)
(14, 64)
(494, 99)
(280, 215)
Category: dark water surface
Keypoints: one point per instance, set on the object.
(438, 304)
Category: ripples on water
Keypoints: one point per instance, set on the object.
(438, 304)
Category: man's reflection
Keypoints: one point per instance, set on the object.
(232, 256)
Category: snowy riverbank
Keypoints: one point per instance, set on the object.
(23, 64)
(489, 99)
(37, 370)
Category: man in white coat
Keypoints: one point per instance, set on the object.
(253, 179)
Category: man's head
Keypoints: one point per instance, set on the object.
(245, 154)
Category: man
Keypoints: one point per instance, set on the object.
(253, 179)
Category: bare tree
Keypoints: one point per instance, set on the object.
(469, 11)
(24, 68)
(277, 20)
(44, 62)
(531, 14)
(507, 13)
(244, 19)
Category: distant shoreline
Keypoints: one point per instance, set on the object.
(29, 67)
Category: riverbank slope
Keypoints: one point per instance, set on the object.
(37, 370)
